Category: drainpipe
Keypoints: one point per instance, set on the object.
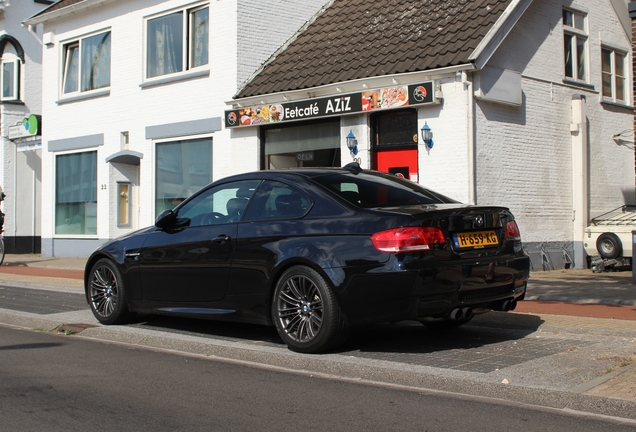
(15, 194)
(580, 181)
(468, 86)
(32, 29)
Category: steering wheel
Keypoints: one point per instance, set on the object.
(212, 218)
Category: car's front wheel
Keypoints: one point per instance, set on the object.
(306, 312)
(106, 293)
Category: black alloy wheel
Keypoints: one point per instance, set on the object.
(106, 293)
(306, 312)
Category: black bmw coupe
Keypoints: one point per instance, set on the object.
(314, 251)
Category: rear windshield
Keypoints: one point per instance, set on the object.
(374, 189)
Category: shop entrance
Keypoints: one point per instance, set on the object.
(394, 140)
(311, 144)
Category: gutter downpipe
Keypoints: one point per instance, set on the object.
(32, 29)
(468, 86)
(580, 181)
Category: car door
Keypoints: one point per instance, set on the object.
(190, 261)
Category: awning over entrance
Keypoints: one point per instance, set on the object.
(127, 157)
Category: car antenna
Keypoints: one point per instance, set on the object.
(353, 167)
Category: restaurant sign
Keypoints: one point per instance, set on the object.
(353, 103)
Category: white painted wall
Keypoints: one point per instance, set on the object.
(132, 107)
(524, 154)
(17, 176)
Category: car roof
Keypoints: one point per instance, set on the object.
(293, 172)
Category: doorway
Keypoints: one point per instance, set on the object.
(394, 138)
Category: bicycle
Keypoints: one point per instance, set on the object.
(1, 246)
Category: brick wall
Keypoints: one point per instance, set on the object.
(133, 106)
(524, 154)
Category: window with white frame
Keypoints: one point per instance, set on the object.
(177, 42)
(182, 168)
(86, 64)
(613, 71)
(76, 193)
(575, 44)
(10, 79)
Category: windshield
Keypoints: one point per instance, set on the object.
(374, 189)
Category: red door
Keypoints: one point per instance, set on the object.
(402, 163)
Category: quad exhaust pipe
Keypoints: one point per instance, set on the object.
(506, 305)
(467, 313)
(461, 313)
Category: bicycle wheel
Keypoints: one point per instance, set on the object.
(1, 250)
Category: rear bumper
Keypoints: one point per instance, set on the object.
(394, 294)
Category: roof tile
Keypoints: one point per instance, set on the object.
(354, 39)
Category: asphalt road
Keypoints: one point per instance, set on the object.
(60, 383)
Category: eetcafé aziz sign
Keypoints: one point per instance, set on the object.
(353, 103)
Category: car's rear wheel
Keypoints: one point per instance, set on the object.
(609, 246)
(107, 293)
(306, 312)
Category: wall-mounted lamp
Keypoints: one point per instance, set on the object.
(352, 144)
(427, 136)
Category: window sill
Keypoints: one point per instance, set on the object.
(83, 96)
(175, 78)
(617, 104)
(76, 236)
(12, 102)
(577, 83)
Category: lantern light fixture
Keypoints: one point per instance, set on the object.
(427, 136)
(352, 144)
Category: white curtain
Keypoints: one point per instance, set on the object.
(165, 46)
(96, 61)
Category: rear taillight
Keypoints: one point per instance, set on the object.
(512, 231)
(407, 239)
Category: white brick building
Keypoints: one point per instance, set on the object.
(519, 120)
(106, 119)
(20, 100)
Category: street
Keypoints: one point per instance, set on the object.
(62, 383)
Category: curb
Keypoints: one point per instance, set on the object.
(566, 299)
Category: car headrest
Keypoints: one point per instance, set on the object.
(244, 193)
(290, 203)
(236, 206)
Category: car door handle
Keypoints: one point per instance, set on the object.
(221, 239)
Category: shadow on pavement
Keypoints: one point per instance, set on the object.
(490, 341)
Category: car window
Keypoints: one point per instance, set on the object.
(225, 203)
(275, 200)
(374, 189)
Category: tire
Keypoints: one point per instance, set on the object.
(306, 313)
(446, 324)
(1, 250)
(107, 294)
(609, 246)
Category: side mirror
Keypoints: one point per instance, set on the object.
(166, 219)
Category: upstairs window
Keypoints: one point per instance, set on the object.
(86, 64)
(613, 71)
(575, 45)
(10, 79)
(177, 42)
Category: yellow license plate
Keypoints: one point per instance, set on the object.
(475, 239)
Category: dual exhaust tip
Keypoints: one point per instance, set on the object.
(467, 313)
(458, 314)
